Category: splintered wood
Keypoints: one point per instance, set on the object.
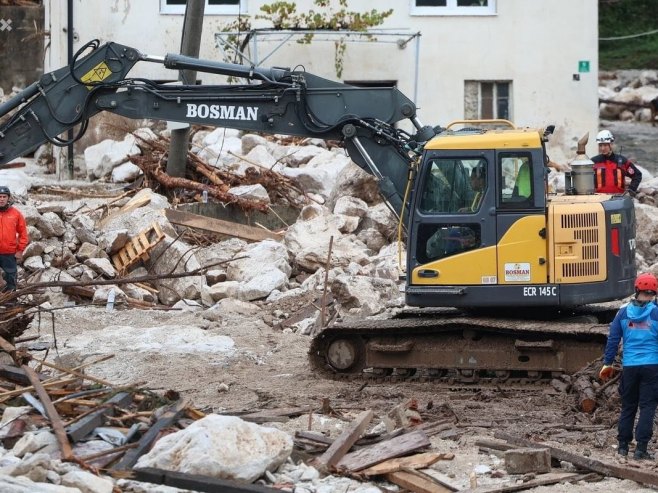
(138, 248)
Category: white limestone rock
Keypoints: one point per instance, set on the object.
(224, 447)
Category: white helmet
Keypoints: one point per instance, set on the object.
(605, 137)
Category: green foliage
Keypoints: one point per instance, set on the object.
(284, 16)
(624, 18)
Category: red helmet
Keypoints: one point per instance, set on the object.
(646, 282)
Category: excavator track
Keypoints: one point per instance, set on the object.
(458, 350)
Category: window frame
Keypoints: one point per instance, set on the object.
(496, 98)
(240, 8)
(451, 8)
(471, 113)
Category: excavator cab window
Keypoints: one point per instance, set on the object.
(454, 186)
(444, 240)
(516, 178)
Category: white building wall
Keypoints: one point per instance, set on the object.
(535, 44)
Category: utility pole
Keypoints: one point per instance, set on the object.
(190, 43)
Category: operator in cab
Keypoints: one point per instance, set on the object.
(611, 170)
(478, 184)
(637, 324)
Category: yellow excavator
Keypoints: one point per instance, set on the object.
(483, 232)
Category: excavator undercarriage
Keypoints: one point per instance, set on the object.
(453, 347)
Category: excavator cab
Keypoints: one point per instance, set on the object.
(483, 231)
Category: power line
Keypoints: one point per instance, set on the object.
(630, 36)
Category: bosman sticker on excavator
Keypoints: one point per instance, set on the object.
(517, 272)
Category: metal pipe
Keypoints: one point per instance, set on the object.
(179, 62)
(69, 48)
(20, 98)
(371, 164)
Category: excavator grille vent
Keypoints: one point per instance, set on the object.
(587, 220)
(580, 269)
(578, 248)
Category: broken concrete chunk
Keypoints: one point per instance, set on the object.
(526, 460)
(87, 482)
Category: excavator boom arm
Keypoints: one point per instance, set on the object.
(285, 102)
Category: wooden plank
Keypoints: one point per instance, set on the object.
(77, 431)
(344, 442)
(417, 483)
(379, 452)
(81, 291)
(132, 204)
(15, 374)
(195, 482)
(53, 416)
(313, 436)
(142, 240)
(418, 461)
(265, 415)
(607, 469)
(168, 418)
(542, 480)
(220, 226)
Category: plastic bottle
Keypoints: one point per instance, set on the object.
(110, 301)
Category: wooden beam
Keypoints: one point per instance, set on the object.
(168, 418)
(220, 226)
(418, 461)
(53, 416)
(417, 482)
(15, 374)
(195, 482)
(344, 442)
(86, 425)
(379, 452)
(131, 205)
(277, 415)
(542, 480)
(639, 475)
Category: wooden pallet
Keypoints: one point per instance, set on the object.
(137, 249)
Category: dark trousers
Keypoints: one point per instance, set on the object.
(639, 390)
(8, 265)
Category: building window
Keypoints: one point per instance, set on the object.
(487, 99)
(213, 7)
(453, 7)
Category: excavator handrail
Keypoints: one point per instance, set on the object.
(480, 122)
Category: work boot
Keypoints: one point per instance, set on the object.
(641, 452)
(622, 449)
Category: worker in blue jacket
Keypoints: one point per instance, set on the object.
(637, 324)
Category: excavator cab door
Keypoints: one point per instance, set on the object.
(454, 214)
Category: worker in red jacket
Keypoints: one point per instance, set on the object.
(13, 238)
(611, 170)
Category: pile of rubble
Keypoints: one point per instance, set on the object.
(84, 243)
(627, 95)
